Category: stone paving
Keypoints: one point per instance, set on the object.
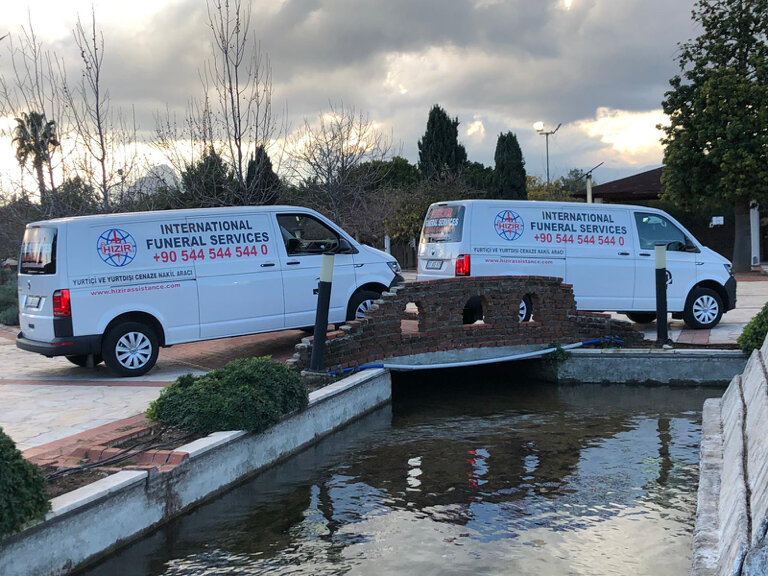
(45, 400)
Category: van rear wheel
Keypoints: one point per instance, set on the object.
(82, 359)
(641, 317)
(130, 349)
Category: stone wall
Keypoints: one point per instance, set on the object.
(426, 317)
(732, 512)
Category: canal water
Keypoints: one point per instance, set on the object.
(462, 474)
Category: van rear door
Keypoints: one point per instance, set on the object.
(40, 275)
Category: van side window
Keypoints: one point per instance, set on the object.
(653, 229)
(303, 234)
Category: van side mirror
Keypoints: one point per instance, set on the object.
(344, 247)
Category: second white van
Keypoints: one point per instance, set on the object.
(117, 287)
(606, 251)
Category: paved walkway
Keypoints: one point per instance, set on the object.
(47, 400)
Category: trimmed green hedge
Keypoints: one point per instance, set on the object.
(22, 489)
(247, 394)
(754, 333)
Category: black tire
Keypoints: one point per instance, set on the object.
(130, 349)
(641, 317)
(703, 309)
(360, 303)
(526, 309)
(82, 359)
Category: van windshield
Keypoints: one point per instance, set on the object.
(443, 224)
(38, 251)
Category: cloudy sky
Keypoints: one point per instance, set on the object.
(598, 67)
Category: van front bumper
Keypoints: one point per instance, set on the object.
(66, 346)
(730, 290)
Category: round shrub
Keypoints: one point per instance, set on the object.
(9, 311)
(754, 332)
(247, 394)
(22, 489)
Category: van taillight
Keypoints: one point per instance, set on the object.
(462, 265)
(61, 304)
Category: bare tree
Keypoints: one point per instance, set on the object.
(108, 136)
(339, 159)
(34, 87)
(233, 119)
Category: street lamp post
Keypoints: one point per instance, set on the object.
(539, 127)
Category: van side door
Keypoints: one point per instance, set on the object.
(653, 229)
(599, 261)
(239, 274)
(304, 240)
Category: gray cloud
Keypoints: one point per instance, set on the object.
(508, 63)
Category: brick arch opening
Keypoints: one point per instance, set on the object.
(474, 310)
(410, 319)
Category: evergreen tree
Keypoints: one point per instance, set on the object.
(440, 153)
(262, 184)
(509, 173)
(717, 138)
(207, 182)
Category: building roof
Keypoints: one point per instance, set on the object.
(643, 186)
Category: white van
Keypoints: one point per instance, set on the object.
(118, 286)
(606, 251)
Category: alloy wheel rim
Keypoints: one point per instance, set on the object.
(133, 350)
(705, 309)
(362, 308)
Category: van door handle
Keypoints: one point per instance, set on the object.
(267, 264)
(623, 253)
(292, 262)
(645, 253)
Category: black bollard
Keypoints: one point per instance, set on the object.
(662, 335)
(321, 316)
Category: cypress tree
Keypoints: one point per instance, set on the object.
(509, 173)
(440, 153)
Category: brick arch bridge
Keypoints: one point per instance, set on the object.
(428, 316)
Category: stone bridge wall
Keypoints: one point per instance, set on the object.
(395, 328)
(732, 511)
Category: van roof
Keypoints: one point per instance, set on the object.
(548, 204)
(177, 213)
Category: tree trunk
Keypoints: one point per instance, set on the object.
(741, 241)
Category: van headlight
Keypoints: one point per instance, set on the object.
(728, 268)
(395, 267)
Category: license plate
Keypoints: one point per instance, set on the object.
(33, 302)
(434, 264)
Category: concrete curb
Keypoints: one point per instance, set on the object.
(96, 519)
(732, 511)
(613, 365)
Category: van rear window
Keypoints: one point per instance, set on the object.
(443, 224)
(38, 251)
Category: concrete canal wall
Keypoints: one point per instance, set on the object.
(98, 518)
(732, 512)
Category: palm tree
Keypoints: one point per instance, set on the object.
(35, 138)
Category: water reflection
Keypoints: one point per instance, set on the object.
(462, 476)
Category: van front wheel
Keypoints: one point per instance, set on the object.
(360, 303)
(130, 349)
(703, 309)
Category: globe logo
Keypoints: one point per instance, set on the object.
(509, 225)
(116, 247)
